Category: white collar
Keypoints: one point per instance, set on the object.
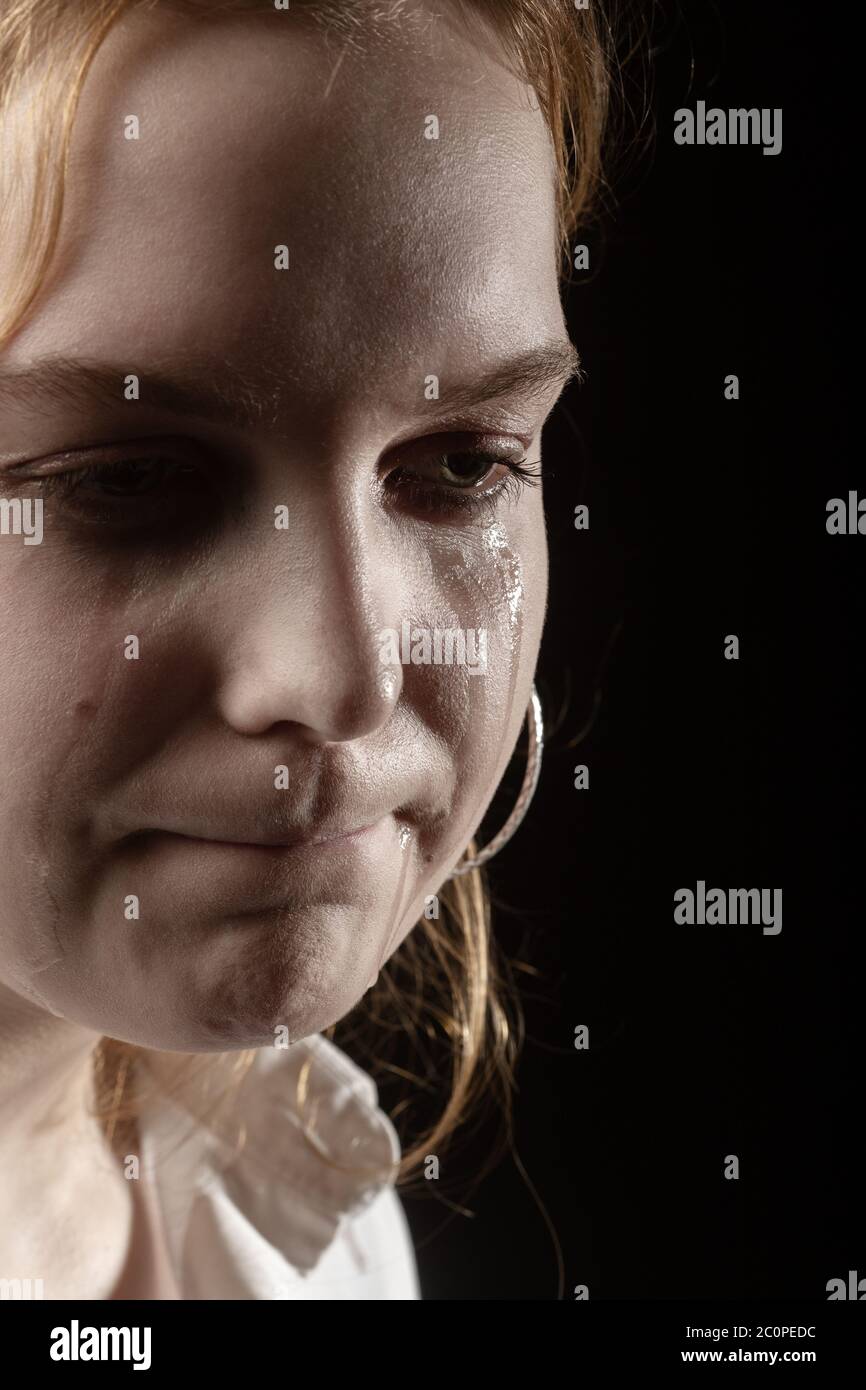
(234, 1217)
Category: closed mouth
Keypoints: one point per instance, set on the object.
(276, 844)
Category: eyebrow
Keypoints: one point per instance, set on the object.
(217, 391)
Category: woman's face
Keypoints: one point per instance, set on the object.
(199, 699)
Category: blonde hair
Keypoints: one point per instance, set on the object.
(445, 982)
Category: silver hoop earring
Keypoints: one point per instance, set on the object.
(527, 791)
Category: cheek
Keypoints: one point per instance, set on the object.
(71, 712)
(68, 693)
(492, 586)
(51, 676)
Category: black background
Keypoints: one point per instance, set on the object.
(707, 517)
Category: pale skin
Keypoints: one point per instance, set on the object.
(259, 647)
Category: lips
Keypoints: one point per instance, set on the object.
(224, 881)
(334, 795)
(283, 840)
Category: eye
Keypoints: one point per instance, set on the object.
(460, 479)
(463, 470)
(141, 491)
(130, 477)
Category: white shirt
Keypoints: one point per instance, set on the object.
(306, 1209)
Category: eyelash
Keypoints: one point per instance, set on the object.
(441, 499)
(431, 498)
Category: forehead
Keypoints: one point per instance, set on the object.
(258, 133)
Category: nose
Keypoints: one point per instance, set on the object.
(307, 616)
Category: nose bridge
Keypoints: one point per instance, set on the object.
(314, 602)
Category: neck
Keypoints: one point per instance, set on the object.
(64, 1206)
(45, 1069)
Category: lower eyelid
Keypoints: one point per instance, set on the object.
(446, 500)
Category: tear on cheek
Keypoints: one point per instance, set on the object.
(509, 572)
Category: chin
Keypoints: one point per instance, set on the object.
(252, 982)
